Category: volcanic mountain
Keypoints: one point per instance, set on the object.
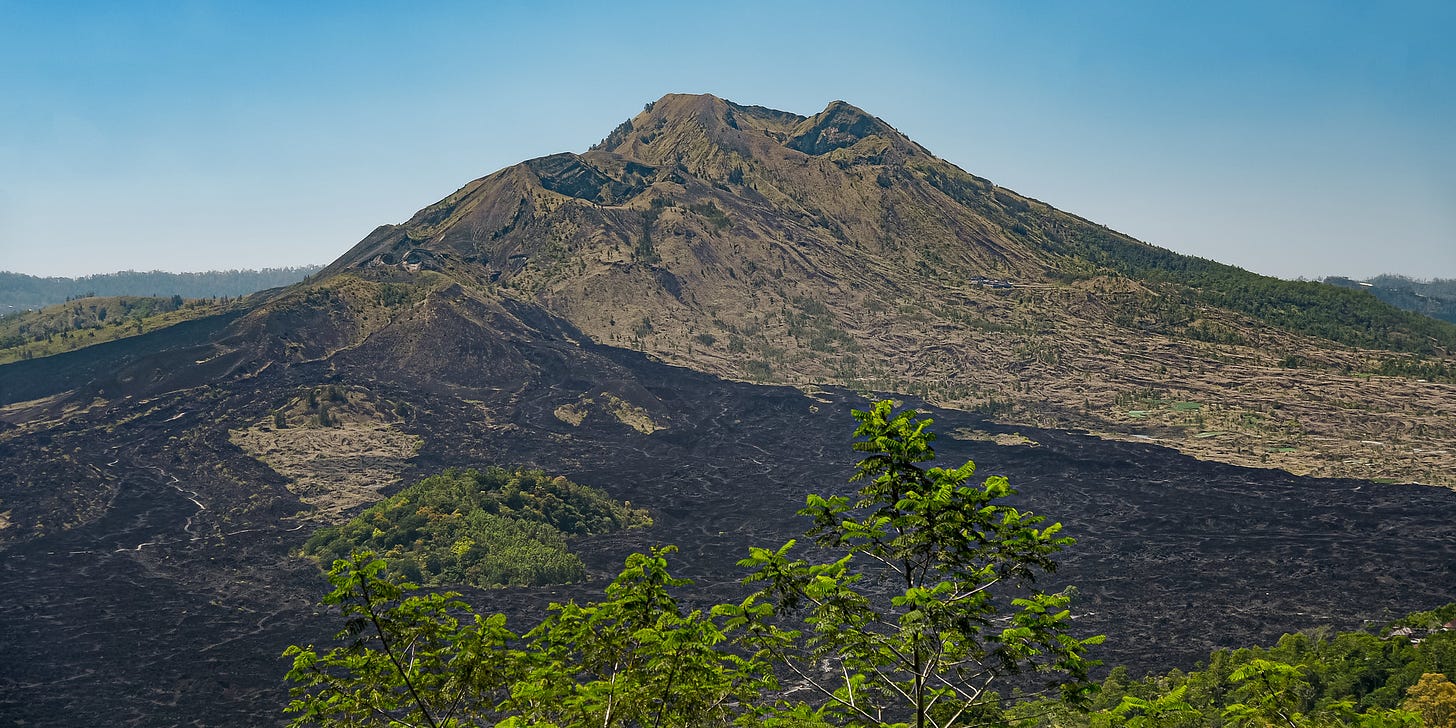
(767, 246)
(617, 316)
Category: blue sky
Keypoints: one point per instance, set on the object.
(1289, 138)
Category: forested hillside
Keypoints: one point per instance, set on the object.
(82, 322)
(1434, 298)
(1395, 675)
(20, 291)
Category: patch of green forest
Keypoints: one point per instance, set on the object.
(1316, 678)
(1342, 315)
(484, 528)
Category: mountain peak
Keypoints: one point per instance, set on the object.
(684, 105)
(686, 150)
(681, 127)
(841, 125)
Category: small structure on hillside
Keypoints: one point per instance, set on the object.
(992, 282)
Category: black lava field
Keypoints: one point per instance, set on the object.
(172, 602)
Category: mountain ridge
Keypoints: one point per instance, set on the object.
(19, 291)
(1435, 298)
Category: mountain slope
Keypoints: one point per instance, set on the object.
(768, 246)
(85, 322)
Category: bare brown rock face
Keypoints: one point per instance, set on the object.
(577, 313)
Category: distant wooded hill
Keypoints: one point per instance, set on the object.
(1435, 298)
(20, 291)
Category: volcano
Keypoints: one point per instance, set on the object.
(706, 294)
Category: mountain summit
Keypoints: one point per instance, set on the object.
(701, 187)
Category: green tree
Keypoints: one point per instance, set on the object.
(1165, 711)
(405, 660)
(933, 602)
(635, 659)
(1272, 694)
(1277, 694)
(1434, 699)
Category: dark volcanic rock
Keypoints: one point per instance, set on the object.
(171, 602)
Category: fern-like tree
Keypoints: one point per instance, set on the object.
(1164, 711)
(927, 601)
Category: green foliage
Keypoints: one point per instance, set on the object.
(960, 568)
(634, 659)
(1346, 316)
(1164, 711)
(392, 295)
(758, 369)
(813, 324)
(928, 595)
(1426, 621)
(951, 554)
(1184, 282)
(1270, 693)
(1306, 679)
(81, 322)
(404, 660)
(644, 252)
(1214, 333)
(485, 528)
(1417, 368)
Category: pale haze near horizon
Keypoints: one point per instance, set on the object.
(1307, 139)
